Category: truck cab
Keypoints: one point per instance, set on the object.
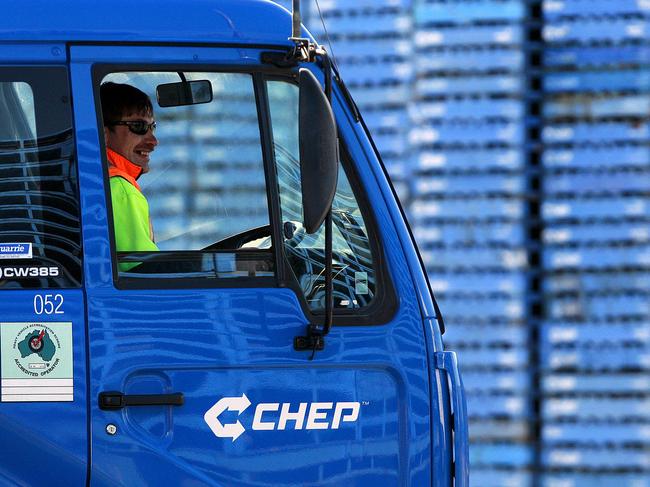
(203, 361)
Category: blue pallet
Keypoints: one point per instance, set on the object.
(612, 182)
(498, 429)
(600, 383)
(342, 5)
(511, 84)
(499, 336)
(489, 406)
(510, 308)
(608, 81)
(474, 159)
(512, 284)
(597, 133)
(491, 359)
(471, 109)
(614, 30)
(613, 207)
(596, 459)
(486, 183)
(368, 24)
(596, 257)
(507, 455)
(601, 233)
(380, 96)
(594, 56)
(589, 334)
(627, 105)
(576, 479)
(512, 134)
(470, 60)
(554, 8)
(379, 72)
(465, 12)
(367, 49)
(396, 120)
(517, 381)
(596, 433)
(468, 208)
(485, 477)
(592, 157)
(507, 35)
(611, 359)
(596, 409)
(594, 307)
(391, 144)
(430, 233)
(603, 282)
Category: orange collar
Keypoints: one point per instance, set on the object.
(119, 165)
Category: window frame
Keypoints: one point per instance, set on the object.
(383, 305)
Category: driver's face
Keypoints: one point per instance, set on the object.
(136, 148)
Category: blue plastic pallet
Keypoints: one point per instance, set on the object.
(596, 157)
(596, 133)
(512, 309)
(614, 30)
(610, 359)
(380, 96)
(468, 208)
(512, 284)
(506, 455)
(470, 60)
(357, 23)
(600, 383)
(589, 334)
(484, 477)
(596, 257)
(599, 81)
(601, 233)
(429, 233)
(603, 282)
(511, 84)
(470, 159)
(554, 8)
(516, 381)
(619, 106)
(471, 109)
(596, 409)
(490, 359)
(595, 56)
(378, 72)
(499, 429)
(485, 183)
(596, 433)
(342, 5)
(612, 207)
(578, 479)
(613, 182)
(596, 458)
(465, 12)
(506, 133)
(489, 406)
(369, 49)
(499, 336)
(396, 120)
(391, 144)
(507, 35)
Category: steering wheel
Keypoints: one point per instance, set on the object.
(293, 233)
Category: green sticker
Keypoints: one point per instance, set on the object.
(36, 350)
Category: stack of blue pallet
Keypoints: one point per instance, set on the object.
(372, 44)
(595, 341)
(467, 212)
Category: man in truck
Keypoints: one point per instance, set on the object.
(129, 129)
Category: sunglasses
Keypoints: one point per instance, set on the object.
(138, 127)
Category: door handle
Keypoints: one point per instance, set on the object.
(113, 400)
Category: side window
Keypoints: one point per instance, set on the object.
(40, 237)
(200, 211)
(354, 272)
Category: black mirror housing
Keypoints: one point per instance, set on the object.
(318, 151)
(184, 93)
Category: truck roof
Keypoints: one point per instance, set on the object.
(186, 21)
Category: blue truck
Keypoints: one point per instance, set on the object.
(282, 332)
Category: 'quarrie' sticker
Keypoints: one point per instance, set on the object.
(15, 250)
(36, 362)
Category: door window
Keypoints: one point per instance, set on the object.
(40, 241)
(201, 209)
(354, 273)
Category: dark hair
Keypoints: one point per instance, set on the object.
(120, 100)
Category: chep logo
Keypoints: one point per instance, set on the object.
(308, 416)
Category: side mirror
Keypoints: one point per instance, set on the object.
(318, 151)
(184, 93)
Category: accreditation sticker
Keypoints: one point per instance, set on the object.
(16, 250)
(36, 362)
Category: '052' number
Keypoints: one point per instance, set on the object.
(49, 304)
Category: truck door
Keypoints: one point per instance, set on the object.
(43, 426)
(213, 313)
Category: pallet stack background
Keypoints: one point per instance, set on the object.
(517, 133)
